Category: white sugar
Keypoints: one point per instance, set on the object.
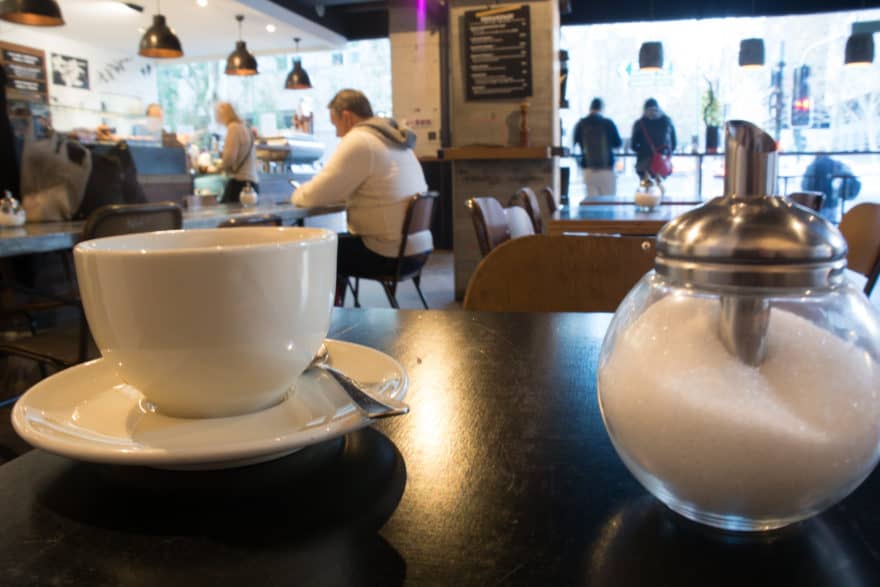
(732, 439)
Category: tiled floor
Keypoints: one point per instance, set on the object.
(437, 285)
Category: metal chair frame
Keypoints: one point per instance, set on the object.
(390, 282)
(98, 225)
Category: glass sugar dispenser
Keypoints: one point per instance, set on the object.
(248, 195)
(739, 379)
(11, 212)
(649, 194)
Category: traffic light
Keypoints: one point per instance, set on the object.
(801, 102)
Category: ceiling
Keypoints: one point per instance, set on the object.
(584, 12)
(358, 19)
(208, 32)
(205, 32)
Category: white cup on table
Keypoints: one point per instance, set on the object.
(209, 323)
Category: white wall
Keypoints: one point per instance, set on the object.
(121, 84)
(415, 76)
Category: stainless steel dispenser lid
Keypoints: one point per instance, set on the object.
(749, 237)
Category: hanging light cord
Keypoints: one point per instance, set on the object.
(239, 18)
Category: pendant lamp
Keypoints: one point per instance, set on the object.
(32, 12)
(297, 79)
(859, 49)
(651, 56)
(751, 53)
(240, 61)
(159, 41)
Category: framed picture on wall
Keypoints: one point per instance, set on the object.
(27, 90)
(72, 72)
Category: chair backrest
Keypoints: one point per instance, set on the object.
(252, 220)
(559, 274)
(533, 208)
(549, 199)
(861, 229)
(811, 200)
(118, 219)
(490, 223)
(419, 215)
(518, 222)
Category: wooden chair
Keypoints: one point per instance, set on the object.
(419, 215)
(252, 220)
(518, 222)
(559, 274)
(811, 200)
(529, 201)
(65, 347)
(549, 199)
(490, 223)
(861, 229)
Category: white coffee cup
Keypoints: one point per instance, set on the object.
(209, 323)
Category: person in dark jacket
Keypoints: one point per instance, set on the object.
(660, 132)
(9, 157)
(597, 137)
(822, 175)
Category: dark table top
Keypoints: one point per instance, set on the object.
(41, 237)
(628, 200)
(614, 219)
(502, 474)
(616, 212)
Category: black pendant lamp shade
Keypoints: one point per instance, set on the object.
(651, 56)
(859, 49)
(297, 79)
(751, 53)
(241, 61)
(159, 41)
(32, 12)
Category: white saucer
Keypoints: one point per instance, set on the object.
(87, 413)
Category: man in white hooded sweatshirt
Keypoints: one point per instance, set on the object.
(374, 172)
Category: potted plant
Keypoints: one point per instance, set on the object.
(711, 116)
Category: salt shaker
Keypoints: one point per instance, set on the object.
(739, 379)
(248, 196)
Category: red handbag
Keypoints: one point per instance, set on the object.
(661, 162)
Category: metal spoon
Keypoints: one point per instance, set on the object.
(374, 407)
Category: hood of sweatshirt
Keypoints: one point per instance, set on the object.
(388, 129)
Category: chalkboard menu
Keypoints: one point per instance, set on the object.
(498, 53)
(27, 88)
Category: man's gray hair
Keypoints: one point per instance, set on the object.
(352, 100)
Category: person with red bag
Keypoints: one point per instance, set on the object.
(653, 140)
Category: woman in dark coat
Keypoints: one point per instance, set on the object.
(661, 131)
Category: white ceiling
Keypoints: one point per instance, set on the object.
(205, 32)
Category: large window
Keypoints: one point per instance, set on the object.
(189, 91)
(804, 59)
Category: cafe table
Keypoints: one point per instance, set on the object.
(620, 200)
(502, 474)
(613, 219)
(42, 237)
